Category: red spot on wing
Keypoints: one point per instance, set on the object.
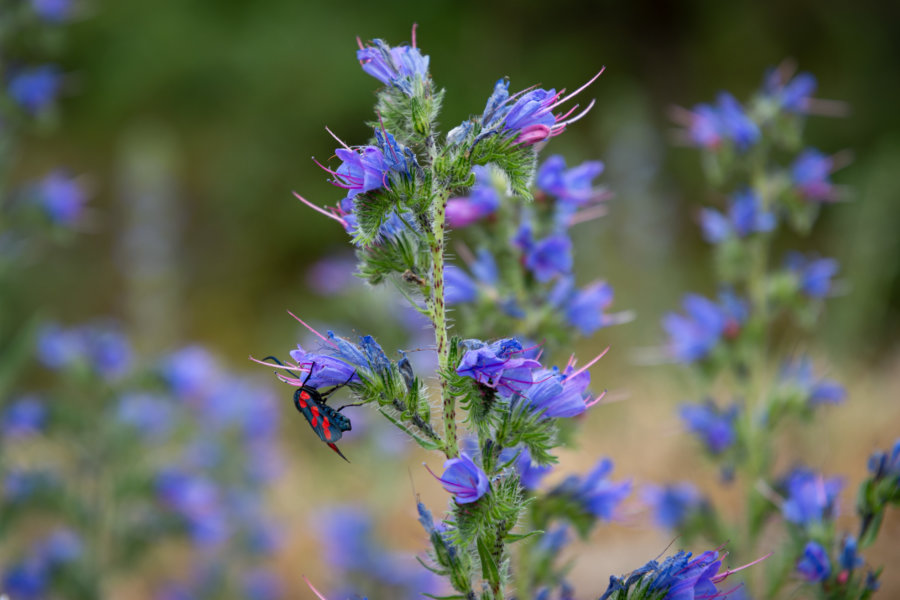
(326, 427)
(304, 395)
(315, 419)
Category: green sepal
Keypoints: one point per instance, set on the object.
(488, 565)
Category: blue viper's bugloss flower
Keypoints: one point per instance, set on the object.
(61, 197)
(554, 540)
(397, 157)
(813, 275)
(799, 374)
(191, 371)
(735, 122)
(197, 500)
(850, 558)
(20, 486)
(399, 66)
(569, 185)
(810, 174)
(597, 494)
(692, 337)
(559, 395)
(100, 345)
(745, 216)
(882, 466)
(672, 504)
(23, 418)
(792, 95)
(459, 288)
(678, 577)
(712, 425)
(483, 200)
(586, 308)
(361, 170)
(464, 479)
(35, 88)
(704, 129)
(52, 11)
(811, 498)
(150, 416)
(31, 578)
(261, 584)
(326, 370)
(530, 473)
(498, 365)
(814, 565)
(549, 257)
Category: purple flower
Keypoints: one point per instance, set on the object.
(361, 170)
(672, 504)
(459, 287)
(704, 127)
(52, 11)
(150, 416)
(814, 565)
(549, 257)
(559, 395)
(810, 497)
(197, 501)
(792, 95)
(23, 418)
(684, 578)
(483, 200)
(850, 558)
(745, 216)
(798, 375)
(401, 66)
(530, 473)
(35, 88)
(528, 116)
(397, 157)
(31, 578)
(693, 337)
(810, 175)
(261, 584)
(813, 275)
(101, 345)
(739, 127)
(464, 479)
(573, 185)
(882, 466)
(595, 492)
(327, 370)
(712, 425)
(191, 371)
(585, 309)
(61, 197)
(495, 366)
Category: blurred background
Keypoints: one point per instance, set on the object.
(194, 120)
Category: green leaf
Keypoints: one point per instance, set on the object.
(515, 537)
(488, 566)
(454, 597)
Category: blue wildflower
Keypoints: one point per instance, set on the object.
(485, 267)
(35, 88)
(397, 157)
(262, 584)
(813, 275)
(745, 216)
(554, 540)
(61, 197)
(464, 479)
(739, 127)
(586, 308)
(530, 473)
(693, 337)
(549, 257)
(459, 288)
(23, 418)
(151, 416)
(704, 127)
(791, 95)
(712, 425)
(326, 370)
(810, 497)
(496, 366)
(569, 185)
(21, 486)
(101, 346)
(361, 170)
(52, 11)
(850, 558)
(814, 565)
(595, 492)
(191, 371)
(798, 375)
(483, 200)
(560, 395)
(401, 66)
(197, 501)
(31, 578)
(810, 174)
(882, 466)
(672, 504)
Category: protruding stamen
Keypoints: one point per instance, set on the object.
(315, 591)
(320, 336)
(415, 25)
(590, 364)
(339, 140)
(321, 210)
(579, 90)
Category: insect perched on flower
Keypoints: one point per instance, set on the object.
(328, 423)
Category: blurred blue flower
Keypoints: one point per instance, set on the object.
(459, 288)
(554, 540)
(814, 565)
(530, 473)
(21, 485)
(197, 500)
(361, 170)
(810, 497)
(692, 337)
(31, 578)
(191, 372)
(151, 416)
(483, 200)
(61, 197)
(52, 11)
(704, 127)
(882, 466)
(712, 425)
(585, 309)
(332, 275)
(101, 345)
(464, 479)
(549, 257)
(745, 216)
(262, 584)
(850, 558)
(595, 492)
(23, 418)
(814, 275)
(792, 95)
(672, 504)
(798, 374)
(811, 174)
(560, 394)
(399, 66)
(573, 185)
(734, 121)
(35, 88)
